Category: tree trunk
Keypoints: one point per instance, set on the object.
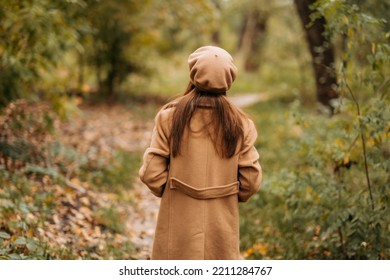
(253, 59)
(243, 28)
(321, 51)
(110, 84)
(216, 38)
(216, 34)
(251, 39)
(113, 69)
(80, 80)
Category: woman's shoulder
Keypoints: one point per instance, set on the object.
(248, 125)
(165, 113)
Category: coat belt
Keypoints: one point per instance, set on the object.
(205, 193)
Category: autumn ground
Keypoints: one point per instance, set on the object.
(111, 128)
(116, 127)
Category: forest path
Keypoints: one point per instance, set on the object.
(248, 99)
(143, 217)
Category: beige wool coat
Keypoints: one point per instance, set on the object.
(200, 191)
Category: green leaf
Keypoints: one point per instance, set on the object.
(20, 241)
(31, 246)
(14, 257)
(4, 235)
(5, 203)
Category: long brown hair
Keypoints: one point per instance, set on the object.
(225, 129)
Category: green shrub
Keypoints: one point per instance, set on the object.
(326, 179)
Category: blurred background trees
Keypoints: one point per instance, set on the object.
(110, 47)
(326, 189)
(94, 46)
(34, 36)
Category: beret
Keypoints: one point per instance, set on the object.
(212, 69)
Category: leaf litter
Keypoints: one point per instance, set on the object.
(76, 217)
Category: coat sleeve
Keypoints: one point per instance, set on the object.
(154, 170)
(249, 169)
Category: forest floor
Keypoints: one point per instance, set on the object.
(115, 127)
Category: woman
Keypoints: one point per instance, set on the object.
(201, 162)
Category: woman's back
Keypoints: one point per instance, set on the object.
(201, 162)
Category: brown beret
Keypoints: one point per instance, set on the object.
(212, 69)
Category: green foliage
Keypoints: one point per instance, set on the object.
(182, 24)
(34, 36)
(110, 47)
(50, 49)
(326, 191)
(314, 202)
(115, 176)
(331, 194)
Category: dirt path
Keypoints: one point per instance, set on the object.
(245, 100)
(143, 218)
